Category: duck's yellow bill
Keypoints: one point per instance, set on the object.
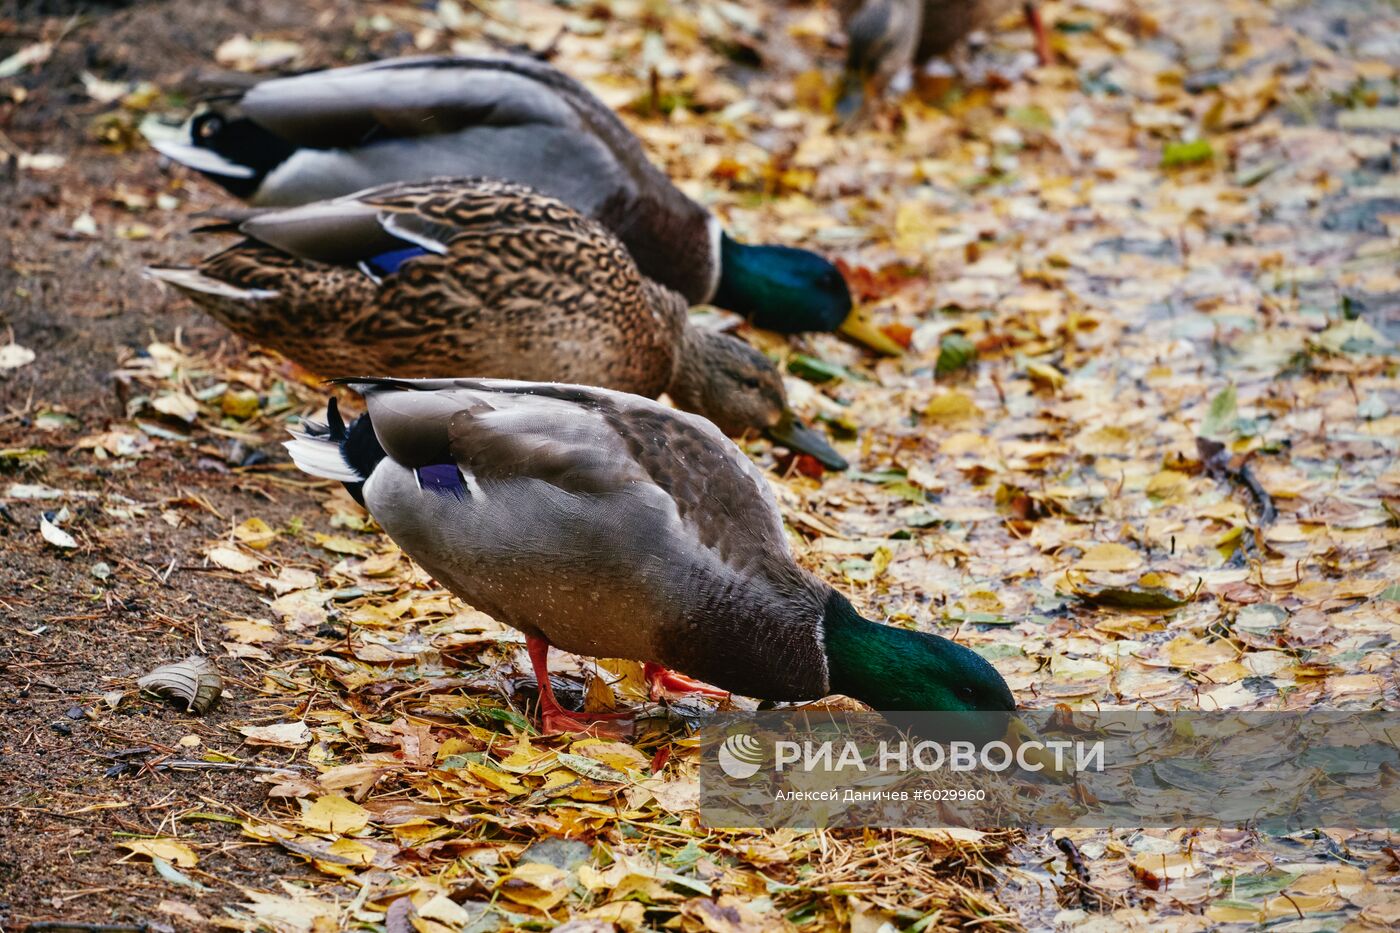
(1018, 734)
(858, 327)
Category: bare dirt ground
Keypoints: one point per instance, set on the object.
(67, 635)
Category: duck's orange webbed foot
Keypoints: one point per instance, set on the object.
(554, 718)
(604, 725)
(663, 681)
(1042, 38)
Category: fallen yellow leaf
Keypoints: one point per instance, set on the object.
(497, 779)
(1192, 653)
(333, 813)
(1109, 557)
(172, 850)
(339, 544)
(536, 885)
(951, 407)
(1045, 376)
(255, 533)
(352, 849)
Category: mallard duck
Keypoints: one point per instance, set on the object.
(330, 133)
(885, 36)
(482, 278)
(608, 525)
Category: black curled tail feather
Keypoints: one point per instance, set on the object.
(334, 423)
(334, 451)
(358, 445)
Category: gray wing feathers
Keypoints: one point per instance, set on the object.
(585, 440)
(346, 230)
(409, 97)
(412, 427)
(492, 432)
(429, 96)
(487, 116)
(343, 231)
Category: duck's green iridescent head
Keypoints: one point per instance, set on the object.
(892, 668)
(897, 671)
(781, 288)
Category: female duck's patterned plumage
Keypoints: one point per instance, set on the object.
(507, 255)
(486, 278)
(330, 133)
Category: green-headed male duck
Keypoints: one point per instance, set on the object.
(608, 525)
(325, 134)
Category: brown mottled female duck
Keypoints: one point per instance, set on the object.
(885, 36)
(608, 525)
(326, 134)
(480, 278)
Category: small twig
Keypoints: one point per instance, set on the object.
(188, 765)
(127, 752)
(94, 928)
(1216, 459)
(1088, 897)
(1294, 903)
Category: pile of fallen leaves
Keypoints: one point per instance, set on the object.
(1141, 449)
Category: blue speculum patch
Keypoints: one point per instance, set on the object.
(388, 263)
(443, 479)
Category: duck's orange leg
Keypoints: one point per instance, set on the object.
(663, 680)
(553, 717)
(1042, 39)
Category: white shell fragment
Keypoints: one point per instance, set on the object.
(195, 681)
(56, 535)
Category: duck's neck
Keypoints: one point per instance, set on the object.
(859, 654)
(742, 277)
(689, 373)
(870, 661)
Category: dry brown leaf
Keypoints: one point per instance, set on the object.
(281, 734)
(195, 682)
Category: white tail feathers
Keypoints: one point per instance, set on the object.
(200, 159)
(320, 456)
(192, 280)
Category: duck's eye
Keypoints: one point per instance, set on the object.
(966, 692)
(207, 125)
(751, 383)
